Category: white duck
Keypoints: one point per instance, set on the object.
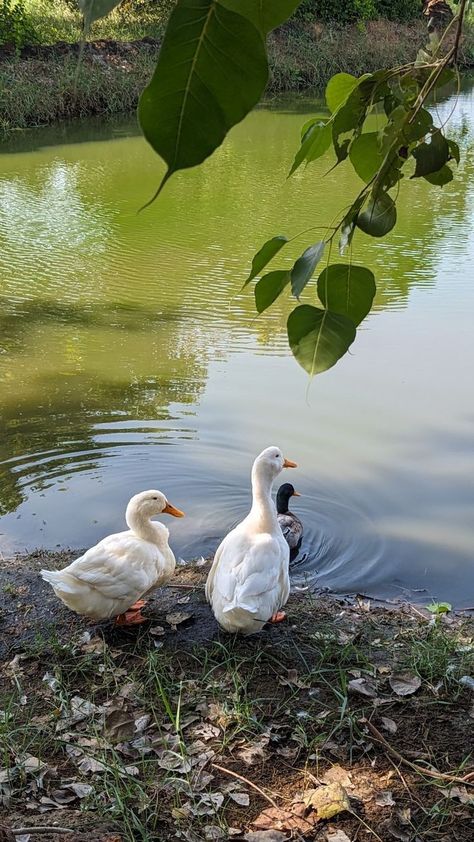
(249, 582)
(109, 578)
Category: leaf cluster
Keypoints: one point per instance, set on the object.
(212, 70)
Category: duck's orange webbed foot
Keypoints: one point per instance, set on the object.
(278, 617)
(132, 617)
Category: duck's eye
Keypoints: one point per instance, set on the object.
(154, 498)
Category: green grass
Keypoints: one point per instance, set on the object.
(59, 21)
(38, 92)
(305, 57)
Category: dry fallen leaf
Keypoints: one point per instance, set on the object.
(363, 686)
(288, 752)
(119, 724)
(81, 790)
(265, 836)
(31, 764)
(384, 799)
(207, 804)
(336, 835)
(292, 680)
(174, 762)
(94, 646)
(240, 798)
(337, 775)
(205, 731)
(62, 796)
(405, 683)
(461, 793)
(388, 724)
(255, 751)
(404, 815)
(327, 801)
(177, 617)
(213, 831)
(90, 764)
(274, 818)
(398, 832)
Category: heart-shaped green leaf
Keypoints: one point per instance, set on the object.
(338, 89)
(304, 267)
(454, 150)
(419, 126)
(95, 9)
(264, 14)
(441, 177)
(268, 288)
(264, 255)
(204, 83)
(379, 217)
(348, 290)
(316, 142)
(366, 155)
(430, 157)
(319, 338)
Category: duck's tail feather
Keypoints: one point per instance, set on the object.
(239, 606)
(57, 579)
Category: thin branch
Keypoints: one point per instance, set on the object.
(416, 768)
(246, 781)
(20, 831)
(457, 39)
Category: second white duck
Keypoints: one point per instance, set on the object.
(249, 581)
(109, 578)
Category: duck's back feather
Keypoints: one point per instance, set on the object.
(111, 576)
(292, 529)
(248, 581)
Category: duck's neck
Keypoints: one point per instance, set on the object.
(263, 511)
(282, 505)
(144, 528)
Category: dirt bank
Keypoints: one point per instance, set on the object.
(348, 722)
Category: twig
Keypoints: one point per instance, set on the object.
(261, 792)
(20, 831)
(457, 39)
(246, 781)
(420, 769)
(191, 587)
(413, 797)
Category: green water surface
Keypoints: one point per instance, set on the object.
(129, 359)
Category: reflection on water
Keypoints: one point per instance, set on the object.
(122, 333)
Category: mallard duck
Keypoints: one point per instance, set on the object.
(290, 524)
(111, 577)
(249, 582)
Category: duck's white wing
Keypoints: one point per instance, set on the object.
(120, 566)
(255, 576)
(215, 564)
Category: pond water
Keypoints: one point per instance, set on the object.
(129, 359)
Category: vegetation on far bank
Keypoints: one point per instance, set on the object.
(40, 85)
(349, 721)
(25, 22)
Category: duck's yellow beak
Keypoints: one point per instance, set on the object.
(289, 464)
(296, 494)
(172, 510)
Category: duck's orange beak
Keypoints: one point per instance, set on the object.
(296, 494)
(172, 510)
(289, 464)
